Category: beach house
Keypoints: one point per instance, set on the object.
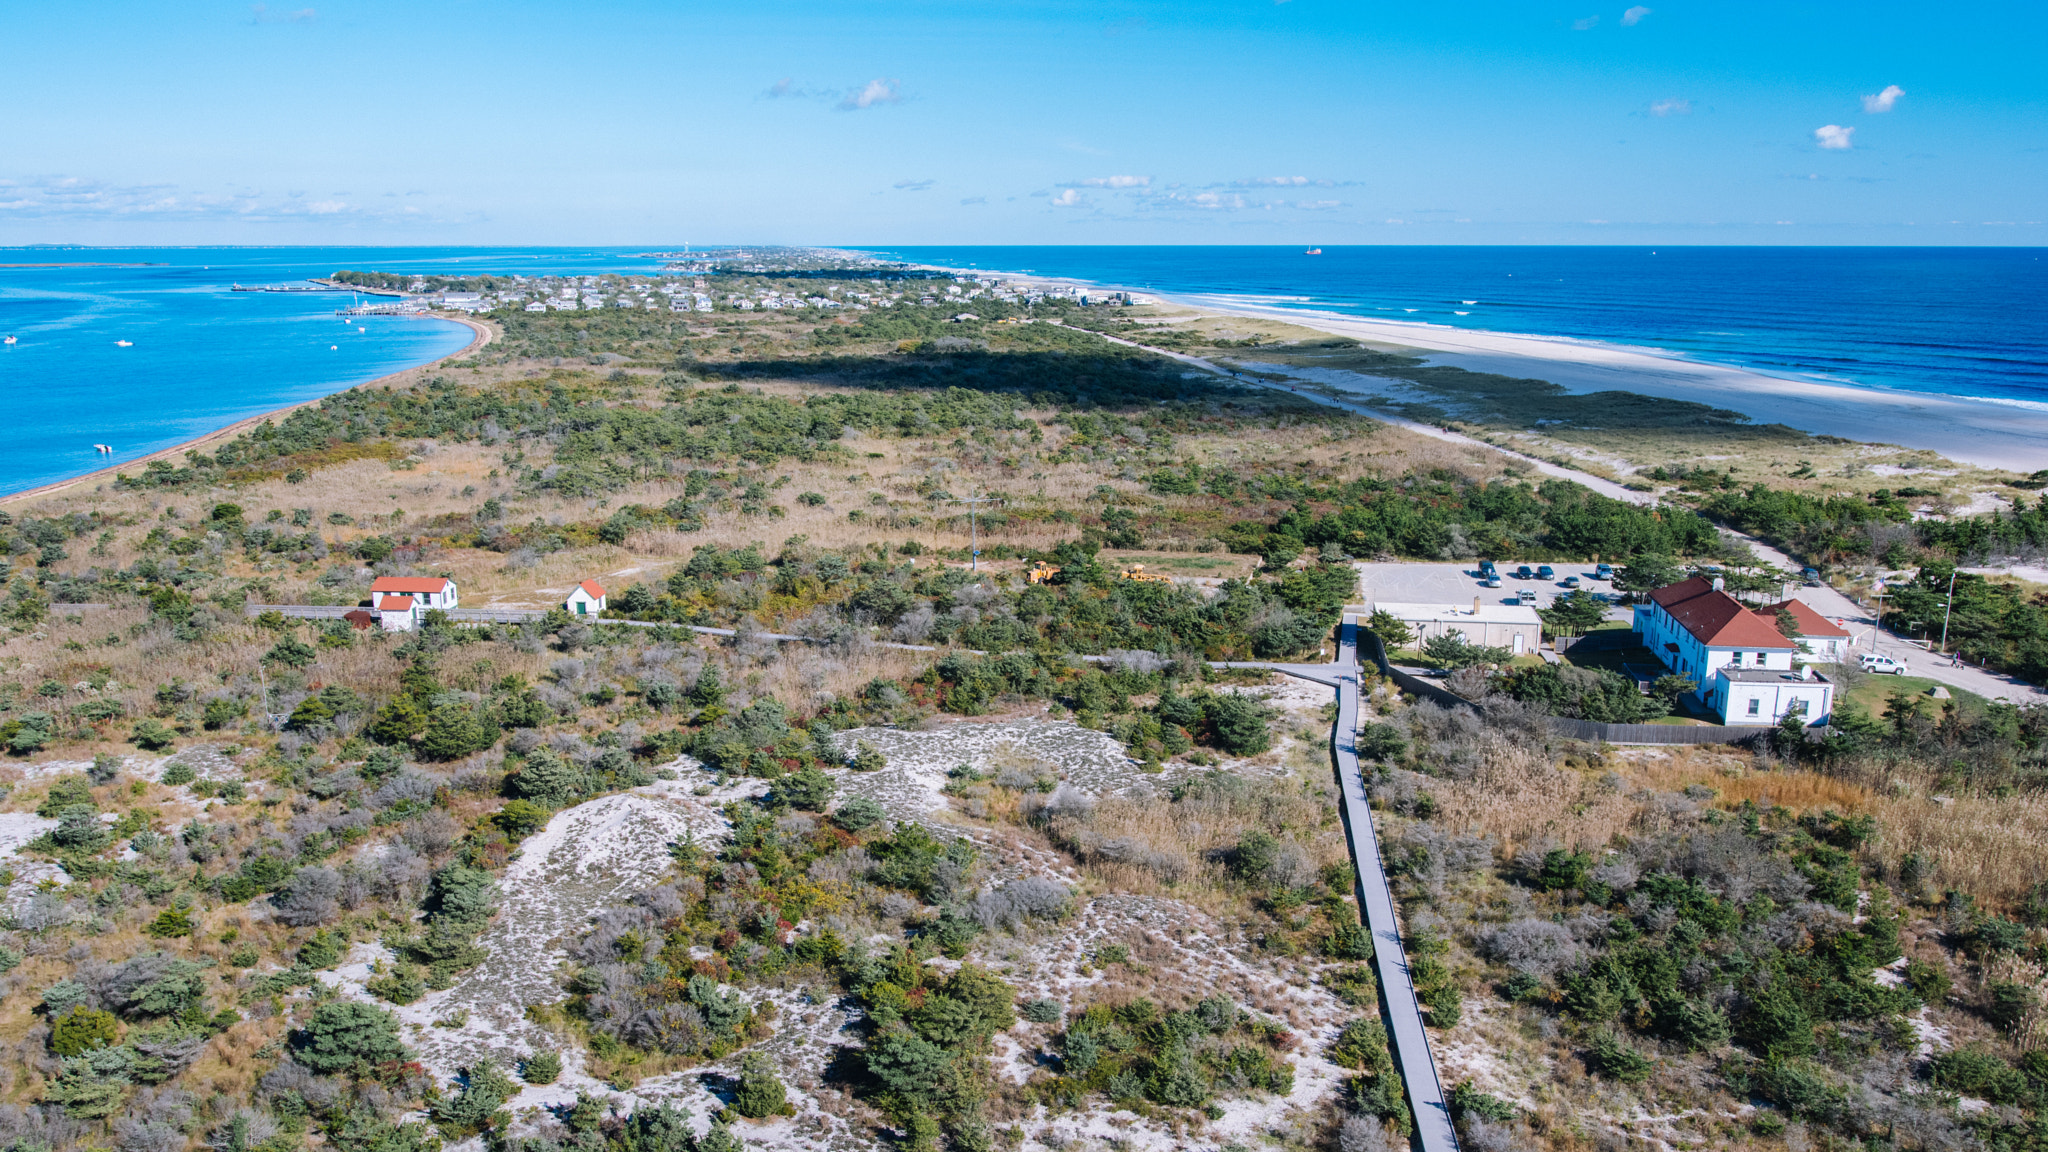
(1743, 664)
(586, 599)
(430, 592)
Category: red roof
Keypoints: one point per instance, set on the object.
(395, 604)
(1811, 623)
(1717, 619)
(592, 589)
(409, 584)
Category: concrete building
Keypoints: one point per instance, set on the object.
(430, 591)
(586, 599)
(398, 613)
(1742, 663)
(1517, 629)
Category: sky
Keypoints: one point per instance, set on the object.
(1105, 122)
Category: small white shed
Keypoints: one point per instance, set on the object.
(586, 599)
(398, 613)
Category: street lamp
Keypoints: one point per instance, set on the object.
(1945, 607)
(973, 540)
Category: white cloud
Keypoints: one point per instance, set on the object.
(1274, 182)
(1634, 16)
(1586, 25)
(914, 185)
(973, 200)
(1067, 199)
(1883, 101)
(1114, 182)
(1318, 205)
(1671, 107)
(876, 92)
(1833, 137)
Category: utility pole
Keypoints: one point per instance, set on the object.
(974, 540)
(1946, 607)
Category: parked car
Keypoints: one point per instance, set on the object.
(1487, 570)
(1523, 573)
(1880, 664)
(1571, 581)
(1811, 576)
(1603, 572)
(1546, 572)
(1490, 582)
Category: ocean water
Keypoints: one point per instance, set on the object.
(202, 356)
(1961, 321)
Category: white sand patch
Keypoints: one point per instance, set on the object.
(16, 830)
(586, 859)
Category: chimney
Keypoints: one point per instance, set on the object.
(1720, 585)
(1475, 605)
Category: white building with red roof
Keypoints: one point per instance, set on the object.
(586, 599)
(398, 613)
(1825, 641)
(1742, 663)
(428, 592)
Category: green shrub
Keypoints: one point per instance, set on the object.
(858, 813)
(347, 1038)
(81, 1030)
(176, 774)
(404, 984)
(171, 923)
(541, 1068)
(1613, 1058)
(867, 758)
(1974, 1072)
(66, 792)
(760, 1093)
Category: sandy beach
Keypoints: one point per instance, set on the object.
(1982, 432)
(1987, 433)
(480, 335)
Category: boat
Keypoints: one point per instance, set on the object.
(1313, 252)
(124, 343)
(10, 339)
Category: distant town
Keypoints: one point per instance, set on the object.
(704, 284)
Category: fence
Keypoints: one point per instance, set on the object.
(1372, 648)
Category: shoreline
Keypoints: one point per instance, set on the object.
(1992, 433)
(480, 335)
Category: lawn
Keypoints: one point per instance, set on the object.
(1875, 692)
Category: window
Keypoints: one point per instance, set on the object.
(1756, 706)
(1798, 707)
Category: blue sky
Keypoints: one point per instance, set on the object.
(1327, 121)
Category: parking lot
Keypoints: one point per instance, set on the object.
(1458, 583)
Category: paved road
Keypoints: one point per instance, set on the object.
(1861, 622)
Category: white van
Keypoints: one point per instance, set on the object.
(1872, 662)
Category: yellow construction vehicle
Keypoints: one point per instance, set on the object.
(1041, 573)
(1137, 573)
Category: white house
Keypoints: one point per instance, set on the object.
(1823, 641)
(1743, 665)
(1513, 627)
(586, 599)
(430, 592)
(398, 613)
